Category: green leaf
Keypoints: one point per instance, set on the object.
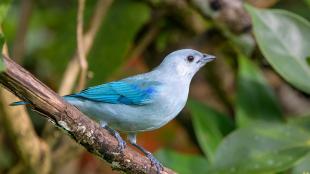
(120, 26)
(283, 38)
(255, 99)
(243, 42)
(210, 127)
(183, 163)
(300, 121)
(4, 7)
(263, 148)
(302, 167)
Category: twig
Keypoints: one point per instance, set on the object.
(72, 69)
(78, 126)
(145, 41)
(141, 46)
(23, 22)
(80, 45)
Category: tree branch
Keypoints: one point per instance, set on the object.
(80, 45)
(82, 129)
(229, 13)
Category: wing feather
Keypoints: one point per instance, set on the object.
(121, 92)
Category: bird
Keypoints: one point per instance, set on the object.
(142, 102)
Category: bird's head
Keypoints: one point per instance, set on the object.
(185, 62)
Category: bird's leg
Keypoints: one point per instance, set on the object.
(121, 142)
(133, 140)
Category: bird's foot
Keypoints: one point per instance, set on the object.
(132, 137)
(155, 162)
(121, 143)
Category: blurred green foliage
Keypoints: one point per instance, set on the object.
(4, 7)
(302, 165)
(116, 36)
(262, 142)
(2, 67)
(253, 92)
(253, 134)
(6, 157)
(210, 127)
(263, 148)
(181, 163)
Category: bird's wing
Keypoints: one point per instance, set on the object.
(136, 92)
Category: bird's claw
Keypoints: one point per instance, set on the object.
(155, 162)
(121, 144)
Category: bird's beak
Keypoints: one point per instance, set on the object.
(207, 58)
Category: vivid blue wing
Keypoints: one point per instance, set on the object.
(121, 92)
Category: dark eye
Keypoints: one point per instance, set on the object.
(190, 58)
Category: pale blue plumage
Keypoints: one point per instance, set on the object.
(143, 102)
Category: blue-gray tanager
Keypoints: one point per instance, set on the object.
(142, 102)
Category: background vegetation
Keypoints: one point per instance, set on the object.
(248, 111)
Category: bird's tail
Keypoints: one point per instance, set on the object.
(68, 98)
(19, 103)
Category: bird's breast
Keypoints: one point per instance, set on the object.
(169, 103)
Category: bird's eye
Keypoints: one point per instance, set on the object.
(190, 58)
